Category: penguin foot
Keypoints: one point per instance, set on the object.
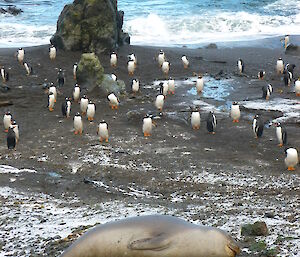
(80, 132)
(196, 127)
(51, 109)
(173, 93)
(90, 119)
(83, 113)
(298, 94)
(6, 130)
(54, 100)
(147, 134)
(291, 168)
(236, 121)
(212, 133)
(75, 132)
(106, 140)
(280, 145)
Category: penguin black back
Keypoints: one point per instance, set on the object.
(211, 122)
(11, 139)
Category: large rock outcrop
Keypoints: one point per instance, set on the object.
(90, 26)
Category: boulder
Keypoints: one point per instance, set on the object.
(259, 228)
(108, 86)
(90, 26)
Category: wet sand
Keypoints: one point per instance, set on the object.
(224, 180)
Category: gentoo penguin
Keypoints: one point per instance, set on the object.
(28, 68)
(7, 119)
(84, 101)
(20, 55)
(267, 91)
(90, 112)
(52, 89)
(76, 93)
(75, 67)
(257, 126)
(290, 68)
(297, 87)
(195, 118)
(4, 74)
(165, 68)
(199, 84)
(235, 112)
(281, 134)
(161, 58)
(113, 101)
(130, 67)
(286, 41)
(211, 123)
(147, 125)
(165, 87)
(185, 62)
(113, 77)
(171, 86)
(291, 160)
(240, 65)
(279, 66)
(78, 125)
(11, 139)
(52, 52)
(261, 74)
(51, 101)
(287, 78)
(15, 128)
(102, 131)
(113, 60)
(134, 58)
(66, 108)
(135, 85)
(60, 78)
(159, 101)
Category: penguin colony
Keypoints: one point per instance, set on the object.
(88, 108)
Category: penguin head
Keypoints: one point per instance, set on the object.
(13, 123)
(279, 59)
(278, 124)
(84, 97)
(75, 64)
(8, 113)
(199, 76)
(256, 116)
(67, 99)
(76, 85)
(77, 114)
(161, 51)
(102, 122)
(235, 103)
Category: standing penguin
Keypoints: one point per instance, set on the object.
(113, 101)
(161, 58)
(135, 86)
(51, 101)
(165, 87)
(240, 65)
(185, 62)
(235, 112)
(267, 91)
(113, 60)
(60, 78)
(287, 78)
(20, 55)
(211, 123)
(171, 86)
(52, 52)
(90, 112)
(257, 126)
(133, 58)
(75, 67)
(199, 84)
(279, 66)
(165, 68)
(261, 74)
(7, 119)
(28, 68)
(147, 125)
(11, 139)
(286, 41)
(291, 160)
(76, 93)
(195, 118)
(297, 87)
(84, 101)
(281, 134)
(130, 67)
(4, 74)
(102, 131)
(52, 89)
(114, 77)
(15, 128)
(160, 98)
(66, 108)
(290, 68)
(78, 125)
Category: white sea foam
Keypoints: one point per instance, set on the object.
(10, 169)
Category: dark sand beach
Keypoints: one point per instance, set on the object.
(224, 180)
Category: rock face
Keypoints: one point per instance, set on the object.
(90, 26)
(108, 86)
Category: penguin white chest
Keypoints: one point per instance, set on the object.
(78, 123)
(185, 61)
(6, 121)
(68, 108)
(297, 87)
(235, 112)
(279, 66)
(165, 67)
(131, 67)
(3, 74)
(54, 91)
(51, 101)
(279, 134)
(113, 99)
(113, 60)
(165, 88)
(240, 66)
(90, 111)
(52, 53)
(195, 119)
(159, 102)
(103, 130)
(20, 55)
(161, 59)
(76, 93)
(291, 159)
(199, 85)
(147, 125)
(84, 104)
(135, 86)
(171, 86)
(16, 130)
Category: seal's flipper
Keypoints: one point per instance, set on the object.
(232, 249)
(155, 243)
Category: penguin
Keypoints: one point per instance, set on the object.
(11, 139)
(15, 128)
(171, 86)
(130, 67)
(185, 62)
(290, 68)
(235, 112)
(261, 74)
(286, 41)
(279, 66)
(66, 108)
(135, 85)
(287, 78)
(102, 131)
(4, 74)
(199, 84)
(160, 98)
(28, 69)
(161, 58)
(113, 60)
(20, 55)
(52, 89)
(297, 87)
(267, 91)
(75, 67)
(165, 87)
(240, 65)
(291, 160)
(257, 126)
(165, 68)
(90, 112)
(7, 119)
(114, 77)
(195, 118)
(52, 52)
(133, 58)
(147, 125)
(76, 93)
(51, 101)
(60, 78)
(84, 101)
(281, 134)
(113, 101)
(78, 125)
(211, 123)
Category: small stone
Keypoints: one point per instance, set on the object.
(259, 228)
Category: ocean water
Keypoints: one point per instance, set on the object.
(164, 22)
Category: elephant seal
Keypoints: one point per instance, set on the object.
(153, 236)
